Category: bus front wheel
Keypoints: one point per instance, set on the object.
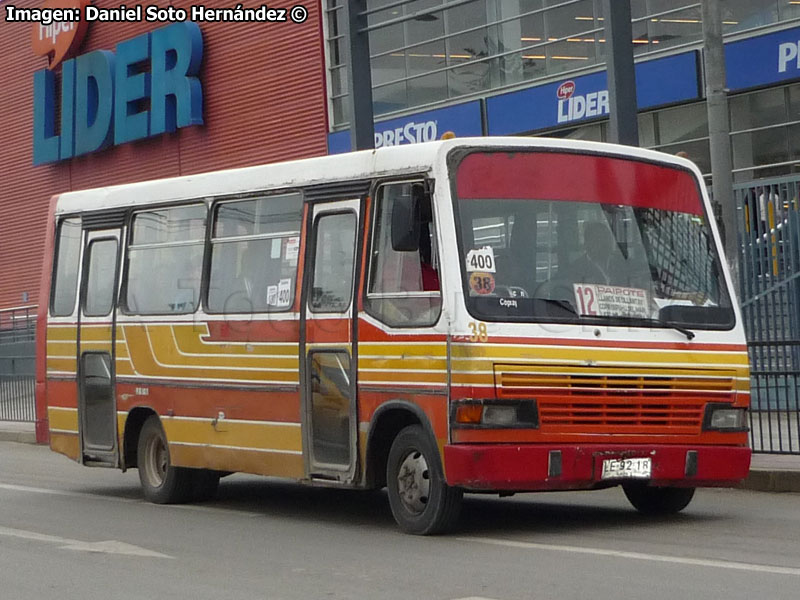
(421, 501)
(162, 482)
(653, 500)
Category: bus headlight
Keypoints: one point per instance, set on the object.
(499, 416)
(495, 414)
(722, 417)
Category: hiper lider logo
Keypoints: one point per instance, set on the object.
(565, 90)
(572, 107)
(58, 39)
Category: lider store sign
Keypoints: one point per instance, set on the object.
(148, 87)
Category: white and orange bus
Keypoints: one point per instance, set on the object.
(493, 315)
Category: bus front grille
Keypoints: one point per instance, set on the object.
(611, 414)
(600, 399)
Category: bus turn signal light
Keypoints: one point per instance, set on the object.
(469, 414)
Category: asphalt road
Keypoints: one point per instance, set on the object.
(72, 532)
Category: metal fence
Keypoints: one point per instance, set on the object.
(17, 364)
(769, 236)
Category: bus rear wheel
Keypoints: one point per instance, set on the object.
(653, 500)
(162, 482)
(421, 501)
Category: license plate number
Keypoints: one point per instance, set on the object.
(627, 468)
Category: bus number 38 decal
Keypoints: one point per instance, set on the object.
(479, 333)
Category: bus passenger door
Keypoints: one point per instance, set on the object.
(97, 410)
(328, 342)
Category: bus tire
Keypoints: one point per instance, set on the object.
(421, 501)
(654, 501)
(162, 483)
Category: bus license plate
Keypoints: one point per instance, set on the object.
(627, 468)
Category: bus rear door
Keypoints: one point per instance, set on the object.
(97, 411)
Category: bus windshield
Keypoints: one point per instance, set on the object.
(556, 236)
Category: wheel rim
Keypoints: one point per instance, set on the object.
(156, 461)
(413, 482)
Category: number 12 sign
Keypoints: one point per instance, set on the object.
(596, 300)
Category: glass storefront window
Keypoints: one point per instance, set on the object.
(761, 147)
(764, 132)
(472, 77)
(794, 101)
(760, 109)
(688, 122)
(566, 19)
(389, 98)
(794, 145)
(485, 45)
(532, 39)
(469, 42)
(647, 130)
(424, 27)
(698, 151)
(738, 15)
(427, 89)
(788, 10)
(390, 38)
(340, 108)
(659, 130)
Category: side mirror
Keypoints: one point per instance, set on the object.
(406, 220)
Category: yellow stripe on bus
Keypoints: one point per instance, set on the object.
(190, 341)
(403, 350)
(65, 365)
(66, 333)
(63, 419)
(418, 364)
(167, 363)
(245, 435)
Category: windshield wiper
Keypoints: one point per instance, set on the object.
(568, 306)
(690, 335)
(565, 304)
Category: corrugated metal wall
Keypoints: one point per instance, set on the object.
(264, 101)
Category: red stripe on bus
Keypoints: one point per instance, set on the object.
(577, 178)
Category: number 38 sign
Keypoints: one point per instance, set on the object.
(481, 283)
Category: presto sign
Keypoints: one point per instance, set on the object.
(762, 60)
(148, 87)
(789, 56)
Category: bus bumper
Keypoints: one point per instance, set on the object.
(528, 467)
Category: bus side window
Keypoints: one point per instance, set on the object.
(404, 288)
(102, 267)
(65, 282)
(332, 284)
(165, 261)
(254, 252)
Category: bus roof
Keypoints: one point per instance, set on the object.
(365, 164)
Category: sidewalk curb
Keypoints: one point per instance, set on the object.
(771, 480)
(23, 437)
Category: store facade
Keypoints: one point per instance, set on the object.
(535, 67)
(133, 100)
